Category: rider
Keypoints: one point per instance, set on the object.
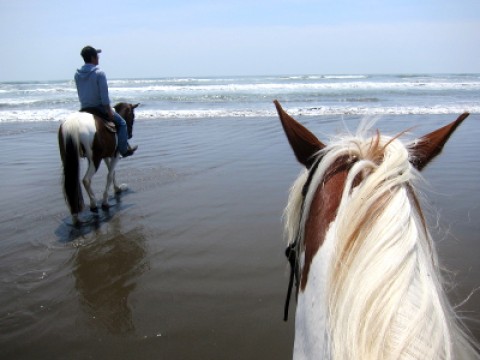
(92, 92)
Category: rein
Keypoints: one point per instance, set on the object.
(292, 252)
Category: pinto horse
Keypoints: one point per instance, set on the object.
(368, 278)
(86, 135)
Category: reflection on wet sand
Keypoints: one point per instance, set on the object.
(106, 272)
(90, 223)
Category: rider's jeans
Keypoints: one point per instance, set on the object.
(121, 133)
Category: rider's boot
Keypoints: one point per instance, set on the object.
(130, 150)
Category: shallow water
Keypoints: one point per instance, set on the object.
(188, 263)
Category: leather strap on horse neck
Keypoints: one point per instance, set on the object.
(291, 253)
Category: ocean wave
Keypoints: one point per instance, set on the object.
(313, 111)
(310, 111)
(251, 96)
(394, 110)
(158, 114)
(344, 77)
(33, 115)
(362, 99)
(122, 82)
(294, 87)
(293, 84)
(34, 91)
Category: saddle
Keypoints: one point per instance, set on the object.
(101, 118)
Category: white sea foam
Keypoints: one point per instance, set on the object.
(345, 77)
(61, 114)
(282, 88)
(252, 96)
(33, 115)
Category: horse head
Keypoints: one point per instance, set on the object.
(126, 111)
(359, 238)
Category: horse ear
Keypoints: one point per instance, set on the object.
(302, 141)
(135, 106)
(430, 145)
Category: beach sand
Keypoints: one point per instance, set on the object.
(189, 262)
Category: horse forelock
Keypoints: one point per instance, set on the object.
(385, 296)
(340, 155)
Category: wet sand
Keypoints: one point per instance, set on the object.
(188, 263)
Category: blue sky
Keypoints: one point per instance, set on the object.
(41, 40)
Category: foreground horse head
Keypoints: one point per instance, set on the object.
(369, 285)
(85, 135)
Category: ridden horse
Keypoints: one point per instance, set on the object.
(368, 278)
(86, 135)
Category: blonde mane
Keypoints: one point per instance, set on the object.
(384, 288)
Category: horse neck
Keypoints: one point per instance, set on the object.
(125, 111)
(384, 294)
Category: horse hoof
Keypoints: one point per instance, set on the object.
(94, 209)
(105, 207)
(121, 188)
(76, 222)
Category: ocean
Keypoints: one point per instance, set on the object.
(189, 262)
(251, 96)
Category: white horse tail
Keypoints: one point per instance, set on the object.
(69, 143)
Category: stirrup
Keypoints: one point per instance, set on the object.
(130, 151)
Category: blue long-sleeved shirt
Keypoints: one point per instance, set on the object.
(92, 86)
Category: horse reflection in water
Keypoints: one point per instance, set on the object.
(105, 276)
(369, 283)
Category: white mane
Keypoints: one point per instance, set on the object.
(384, 290)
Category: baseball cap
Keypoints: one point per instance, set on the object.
(89, 51)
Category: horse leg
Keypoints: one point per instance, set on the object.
(111, 163)
(116, 188)
(87, 181)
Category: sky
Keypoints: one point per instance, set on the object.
(42, 40)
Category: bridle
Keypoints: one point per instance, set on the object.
(292, 252)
